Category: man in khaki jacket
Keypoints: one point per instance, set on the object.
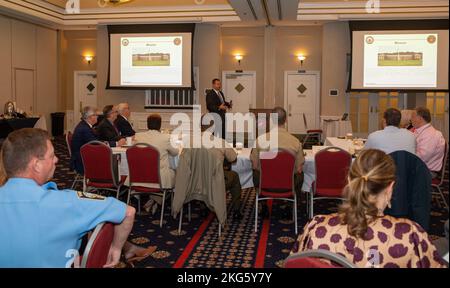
(162, 142)
(225, 151)
(285, 141)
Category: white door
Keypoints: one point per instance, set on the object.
(241, 89)
(85, 93)
(24, 87)
(302, 101)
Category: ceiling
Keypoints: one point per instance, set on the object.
(225, 12)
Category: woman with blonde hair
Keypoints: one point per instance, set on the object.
(405, 121)
(361, 232)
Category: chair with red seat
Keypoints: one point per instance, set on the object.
(144, 173)
(97, 249)
(100, 168)
(277, 170)
(438, 182)
(78, 177)
(332, 166)
(313, 136)
(314, 259)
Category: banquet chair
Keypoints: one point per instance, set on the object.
(313, 136)
(332, 166)
(78, 177)
(144, 173)
(411, 196)
(277, 168)
(97, 249)
(314, 259)
(100, 168)
(438, 182)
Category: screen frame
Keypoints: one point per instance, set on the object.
(388, 25)
(150, 28)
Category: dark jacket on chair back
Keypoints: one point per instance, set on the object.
(411, 197)
(124, 127)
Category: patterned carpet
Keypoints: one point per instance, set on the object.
(239, 246)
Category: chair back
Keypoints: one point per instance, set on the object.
(143, 164)
(98, 162)
(411, 197)
(277, 168)
(69, 137)
(97, 249)
(444, 164)
(332, 166)
(312, 259)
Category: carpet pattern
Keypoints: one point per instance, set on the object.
(199, 244)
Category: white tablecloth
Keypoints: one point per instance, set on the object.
(336, 127)
(243, 165)
(41, 123)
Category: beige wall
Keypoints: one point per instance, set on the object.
(249, 42)
(336, 45)
(292, 41)
(34, 48)
(74, 45)
(325, 47)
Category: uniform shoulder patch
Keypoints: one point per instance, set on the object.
(90, 196)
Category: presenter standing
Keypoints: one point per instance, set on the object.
(215, 103)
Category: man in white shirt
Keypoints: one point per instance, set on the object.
(430, 142)
(392, 138)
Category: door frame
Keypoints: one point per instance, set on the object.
(251, 73)
(76, 101)
(319, 95)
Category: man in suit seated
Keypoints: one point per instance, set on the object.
(107, 130)
(122, 122)
(161, 142)
(84, 133)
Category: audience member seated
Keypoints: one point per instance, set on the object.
(361, 232)
(83, 134)
(106, 129)
(122, 123)
(10, 111)
(285, 141)
(161, 142)
(406, 120)
(226, 153)
(46, 223)
(392, 138)
(430, 142)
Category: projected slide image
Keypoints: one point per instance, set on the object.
(400, 59)
(156, 61)
(151, 59)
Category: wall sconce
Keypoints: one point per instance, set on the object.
(302, 59)
(238, 58)
(89, 59)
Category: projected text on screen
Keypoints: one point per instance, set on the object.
(400, 60)
(151, 61)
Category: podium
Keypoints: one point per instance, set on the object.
(9, 125)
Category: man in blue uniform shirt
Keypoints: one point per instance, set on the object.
(41, 225)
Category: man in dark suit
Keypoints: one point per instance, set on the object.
(215, 103)
(122, 123)
(107, 130)
(84, 133)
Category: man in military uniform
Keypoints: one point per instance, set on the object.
(42, 225)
